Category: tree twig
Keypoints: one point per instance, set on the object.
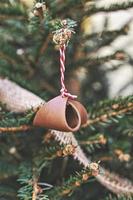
(35, 191)
(114, 7)
(105, 117)
(43, 47)
(15, 129)
(4, 17)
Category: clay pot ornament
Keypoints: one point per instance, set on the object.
(63, 112)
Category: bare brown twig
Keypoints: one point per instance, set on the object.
(43, 47)
(4, 17)
(35, 191)
(15, 129)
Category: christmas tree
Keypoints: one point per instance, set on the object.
(95, 162)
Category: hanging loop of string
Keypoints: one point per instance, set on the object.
(64, 92)
(61, 38)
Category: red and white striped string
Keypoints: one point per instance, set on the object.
(64, 92)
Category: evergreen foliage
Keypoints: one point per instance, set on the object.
(33, 166)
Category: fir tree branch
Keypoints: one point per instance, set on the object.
(94, 61)
(12, 122)
(35, 191)
(112, 197)
(9, 10)
(108, 34)
(25, 179)
(15, 129)
(109, 180)
(120, 107)
(21, 101)
(105, 117)
(115, 183)
(5, 17)
(105, 38)
(69, 186)
(114, 7)
(100, 139)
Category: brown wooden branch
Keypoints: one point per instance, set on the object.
(106, 158)
(89, 142)
(105, 117)
(15, 129)
(45, 44)
(43, 47)
(35, 191)
(4, 17)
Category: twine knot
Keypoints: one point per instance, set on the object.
(65, 93)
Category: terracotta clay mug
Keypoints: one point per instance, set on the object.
(61, 113)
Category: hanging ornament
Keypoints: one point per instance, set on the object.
(63, 112)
